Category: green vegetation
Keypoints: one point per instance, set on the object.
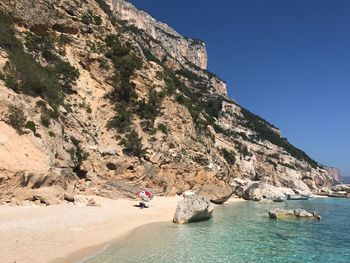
(47, 113)
(202, 109)
(286, 165)
(149, 56)
(106, 8)
(133, 145)
(79, 152)
(272, 163)
(123, 94)
(52, 134)
(163, 128)
(16, 118)
(125, 64)
(45, 120)
(122, 120)
(44, 45)
(31, 126)
(229, 156)
(90, 18)
(264, 132)
(25, 75)
(151, 109)
(242, 149)
(103, 64)
(188, 74)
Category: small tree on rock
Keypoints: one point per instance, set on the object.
(133, 145)
(16, 118)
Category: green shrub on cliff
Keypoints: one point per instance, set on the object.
(122, 120)
(229, 156)
(152, 108)
(133, 145)
(25, 75)
(16, 118)
(264, 132)
(125, 64)
(31, 126)
(79, 153)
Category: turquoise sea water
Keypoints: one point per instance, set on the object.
(242, 232)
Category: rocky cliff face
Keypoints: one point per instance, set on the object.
(100, 98)
(185, 50)
(335, 174)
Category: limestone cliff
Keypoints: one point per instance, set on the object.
(172, 43)
(100, 98)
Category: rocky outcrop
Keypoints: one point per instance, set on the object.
(49, 195)
(257, 191)
(182, 49)
(293, 214)
(341, 188)
(193, 208)
(338, 191)
(335, 174)
(215, 193)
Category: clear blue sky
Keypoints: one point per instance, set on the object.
(286, 60)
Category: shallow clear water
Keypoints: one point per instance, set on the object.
(242, 232)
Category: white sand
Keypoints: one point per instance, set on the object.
(67, 233)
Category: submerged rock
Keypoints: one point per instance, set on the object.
(293, 214)
(265, 202)
(193, 208)
(215, 193)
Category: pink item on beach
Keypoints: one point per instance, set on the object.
(144, 194)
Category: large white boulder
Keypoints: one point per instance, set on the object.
(193, 208)
(257, 191)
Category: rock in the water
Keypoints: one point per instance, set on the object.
(339, 194)
(193, 208)
(293, 214)
(340, 191)
(341, 188)
(215, 193)
(265, 202)
(297, 197)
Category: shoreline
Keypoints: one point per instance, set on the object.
(90, 252)
(68, 233)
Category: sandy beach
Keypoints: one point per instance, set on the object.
(67, 233)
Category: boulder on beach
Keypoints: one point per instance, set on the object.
(257, 191)
(193, 208)
(293, 214)
(215, 193)
(82, 200)
(49, 195)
